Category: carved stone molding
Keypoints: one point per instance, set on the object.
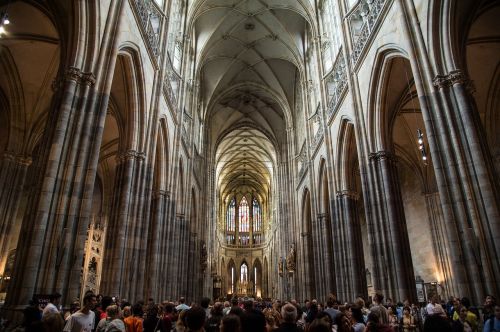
(454, 77)
(18, 159)
(347, 193)
(382, 155)
(73, 74)
(129, 155)
(88, 79)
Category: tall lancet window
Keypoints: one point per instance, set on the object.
(257, 218)
(244, 221)
(230, 216)
(230, 221)
(244, 272)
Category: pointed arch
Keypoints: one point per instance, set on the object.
(379, 115)
(129, 62)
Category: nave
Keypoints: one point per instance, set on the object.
(248, 149)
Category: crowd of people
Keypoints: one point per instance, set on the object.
(107, 314)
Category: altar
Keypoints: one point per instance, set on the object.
(244, 288)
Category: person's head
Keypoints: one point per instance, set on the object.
(152, 311)
(489, 301)
(195, 318)
(289, 313)
(253, 320)
(343, 322)
(406, 311)
(319, 325)
(497, 311)
(106, 301)
(227, 304)
(113, 311)
(205, 302)
(182, 300)
(357, 314)
(360, 302)
(373, 318)
(230, 323)
(137, 310)
(390, 310)
(89, 301)
(465, 302)
(378, 298)
(127, 311)
(217, 309)
(325, 317)
(234, 301)
(168, 307)
(55, 298)
(74, 307)
(437, 323)
(463, 313)
(248, 305)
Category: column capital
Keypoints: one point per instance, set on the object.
(88, 79)
(129, 155)
(17, 158)
(382, 155)
(347, 193)
(456, 76)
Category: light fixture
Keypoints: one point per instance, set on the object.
(421, 146)
(4, 20)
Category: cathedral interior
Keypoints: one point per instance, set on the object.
(253, 148)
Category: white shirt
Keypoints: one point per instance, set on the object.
(80, 322)
(49, 309)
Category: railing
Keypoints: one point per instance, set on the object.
(362, 21)
(336, 83)
(150, 18)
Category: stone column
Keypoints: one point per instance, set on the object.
(156, 247)
(397, 264)
(50, 237)
(118, 247)
(440, 240)
(352, 245)
(12, 177)
(475, 195)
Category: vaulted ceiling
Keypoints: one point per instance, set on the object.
(249, 56)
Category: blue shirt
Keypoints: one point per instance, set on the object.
(496, 325)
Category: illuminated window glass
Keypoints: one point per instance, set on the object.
(244, 223)
(257, 218)
(230, 225)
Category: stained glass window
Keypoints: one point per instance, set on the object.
(230, 226)
(244, 216)
(257, 218)
(244, 272)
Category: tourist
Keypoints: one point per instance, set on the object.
(214, 321)
(53, 306)
(152, 322)
(357, 319)
(195, 319)
(134, 323)
(230, 323)
(408, 321)
(289, 316)
(379, 309)
(493, 323)
(182, 305)
(84, 319)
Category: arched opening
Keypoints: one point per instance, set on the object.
(26, 99)
(308, 288)
(231, 278)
